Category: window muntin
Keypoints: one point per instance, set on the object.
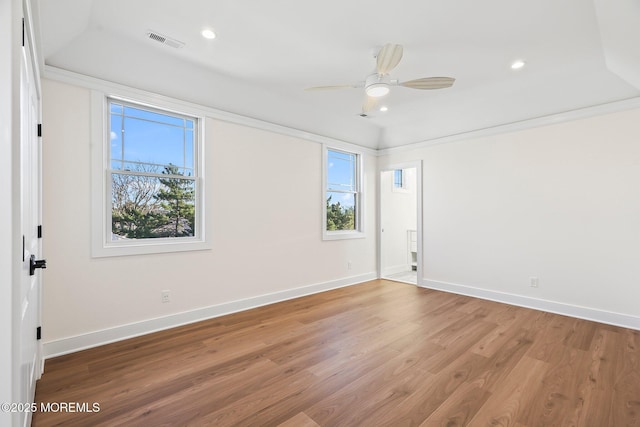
(342, 193)
(152, 174)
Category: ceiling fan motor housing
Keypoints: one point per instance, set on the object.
(377, 85)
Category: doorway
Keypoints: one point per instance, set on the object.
(400, 229)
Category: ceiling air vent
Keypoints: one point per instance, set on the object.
(164, 39)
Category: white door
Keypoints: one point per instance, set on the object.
(30, 197)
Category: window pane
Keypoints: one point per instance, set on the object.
(115, 136)
(145, 207)
(341, 171)
(147, 137)
(153, 143)
(341, 209)
(397, 178)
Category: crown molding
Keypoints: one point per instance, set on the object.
(566, 116)
(65, 76)
(93, 83)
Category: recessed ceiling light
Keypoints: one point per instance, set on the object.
(384, 108)
(516, 65)
(208, 34)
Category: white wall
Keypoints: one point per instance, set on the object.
(398, 214)
(560, 202)
(267, 203)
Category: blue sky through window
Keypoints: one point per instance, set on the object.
(398, 178)
(341, 177)
(145, 137)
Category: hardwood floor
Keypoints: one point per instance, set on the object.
(375, 354)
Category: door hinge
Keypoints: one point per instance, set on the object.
(39, 232)
(40, 129)
(39, 333)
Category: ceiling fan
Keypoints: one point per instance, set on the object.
(379, 83)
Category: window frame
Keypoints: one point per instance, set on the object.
(358, 232)
(102, 243)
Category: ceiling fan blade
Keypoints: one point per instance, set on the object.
(370, 103)
(429, 83)
(330, 87)
(388, 58)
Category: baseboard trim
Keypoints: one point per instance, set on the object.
(596, 315)
(396, 269)
(97, 338)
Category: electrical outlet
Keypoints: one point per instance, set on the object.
(166, 296)
(348, 265)
(533, 282)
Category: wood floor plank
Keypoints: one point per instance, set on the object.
(389, 383)
(461, 406)
(347, 372)
(458, 344)
(626, 401)
(379, 353)
(502, 334)
(551, 338)
(300, 420)
(602, 376)
(433, 391)
(498, 367)
(557, 398)
(505, 406)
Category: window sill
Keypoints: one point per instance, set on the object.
(147, 247)
(341, 235)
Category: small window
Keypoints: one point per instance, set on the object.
(398, 178)
(342, 193)
(151, 181)
(400, 181)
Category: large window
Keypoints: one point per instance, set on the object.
(152, 181)
(342, 193)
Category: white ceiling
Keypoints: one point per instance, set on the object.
(267, 52)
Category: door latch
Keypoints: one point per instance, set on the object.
(36, 263)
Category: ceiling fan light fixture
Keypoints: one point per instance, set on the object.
(376, 90)
(376, 85)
